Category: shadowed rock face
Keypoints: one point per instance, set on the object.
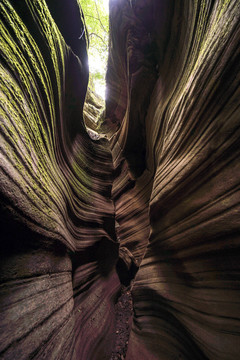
(58, 248)
(165, 188)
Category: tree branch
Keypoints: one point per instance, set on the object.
(99, 17)
(91, 16)
(99, 38)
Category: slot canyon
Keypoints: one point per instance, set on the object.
(145, 199)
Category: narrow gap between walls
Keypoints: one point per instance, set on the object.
(96, 16)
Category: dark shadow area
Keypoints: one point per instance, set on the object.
(163, 326)
(126, 266)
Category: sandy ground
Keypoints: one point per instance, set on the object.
(124, 312)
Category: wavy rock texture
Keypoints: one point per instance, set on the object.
(174, 91)
(166, 185)
(58, 243)
(93, 114)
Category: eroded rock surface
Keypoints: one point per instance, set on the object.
(186, 293)
(161, 195)
(58, 251)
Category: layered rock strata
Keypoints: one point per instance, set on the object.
(58, 246)
(174, 91)
(161, 196)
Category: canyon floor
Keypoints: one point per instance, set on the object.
(124, 312)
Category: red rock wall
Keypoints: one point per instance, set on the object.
(166, 185)
(58, 244)
(176, 65)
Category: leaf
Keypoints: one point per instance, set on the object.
(97, 22)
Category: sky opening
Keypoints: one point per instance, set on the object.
(96, 13)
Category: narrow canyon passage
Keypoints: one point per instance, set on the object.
(120, 237)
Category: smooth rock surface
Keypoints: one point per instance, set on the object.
(179, 210)
(161, 195)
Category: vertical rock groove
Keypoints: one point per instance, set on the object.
(158, 201)
(181, 213)
(58, 281)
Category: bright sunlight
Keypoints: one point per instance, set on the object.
(96, 13)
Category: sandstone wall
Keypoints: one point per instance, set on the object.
(165, 186)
